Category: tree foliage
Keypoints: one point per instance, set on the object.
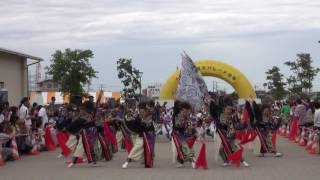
(304, 74)
(72, 70)
(234, 95)
(129, 77)
(275, 83)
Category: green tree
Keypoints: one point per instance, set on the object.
(294, 88)
(234, 95)
(304, 73)
(275, 83)
(72, 70)
(129, 77)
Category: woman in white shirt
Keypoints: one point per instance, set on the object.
(24, 112)
(317, 115)
(43, 115)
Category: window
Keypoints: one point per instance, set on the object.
(49, 85)
(1, 85)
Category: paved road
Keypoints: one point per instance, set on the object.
(297, 164)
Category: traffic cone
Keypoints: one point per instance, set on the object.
(315, 146)
(34, 151)
(15, 149)
(282, 130)
(2, 163)
(310, 141)
(302, 142)
(297, 139)
(50, 145)
(287, 135)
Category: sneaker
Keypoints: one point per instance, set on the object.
(193, 165)
(59, 156)
(125, 165)
(94, 164)
(179, 165)
(245, 164)
(225, 164)
(278, 154)
(70, 165)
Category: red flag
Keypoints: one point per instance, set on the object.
(246, 137)
(48, 140)
(148, 153)
(262, 141)
(105, 149)
(235, 157)
(274, 138)
(191, 142)
(62, 138)
(127, 145)
(178, 148)
(127, 141)
(109, 134)
(245, 116)
(202, 158)
(86, 145)
(294, 128)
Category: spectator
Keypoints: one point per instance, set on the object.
(24, 112)
(317, 116)
(42, 114)
(301, 112)
(310, 115)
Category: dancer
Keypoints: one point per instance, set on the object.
(227, 126)
(143, 147)
(266, 126)
(81, 125)
(182, 131)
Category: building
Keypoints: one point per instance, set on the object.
(44, 98)
(48, 85)
(153, 91)
(261, 94)
(315, 95)
(14, 74)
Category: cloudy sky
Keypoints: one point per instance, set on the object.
(252, 35)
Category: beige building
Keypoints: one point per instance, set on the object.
(48, 85)
(14, 74)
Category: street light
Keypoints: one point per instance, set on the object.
(140, 75)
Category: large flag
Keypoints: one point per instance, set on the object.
(191, 87)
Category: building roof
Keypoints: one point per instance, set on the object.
(46, 80)
(7, 51)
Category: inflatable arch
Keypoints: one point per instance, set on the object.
(214, 69)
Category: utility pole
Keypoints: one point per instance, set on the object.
(213, 87)
(140, 76)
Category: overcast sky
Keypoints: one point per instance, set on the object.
(252, 35)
